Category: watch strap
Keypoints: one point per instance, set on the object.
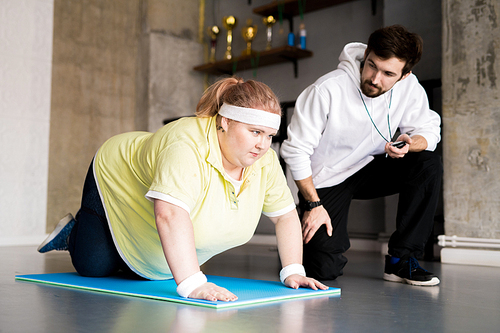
(312, 204)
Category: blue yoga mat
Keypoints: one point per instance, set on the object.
(249, 292)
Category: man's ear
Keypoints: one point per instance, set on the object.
(405, 76)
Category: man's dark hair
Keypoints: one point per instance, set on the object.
(396, 41)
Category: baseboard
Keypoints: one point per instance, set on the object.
(22, 240)
(357, 244)
(367, 245)
(470, 257)
(263, 239)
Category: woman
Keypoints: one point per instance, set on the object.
(162, 204)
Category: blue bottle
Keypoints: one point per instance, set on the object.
(291, 39)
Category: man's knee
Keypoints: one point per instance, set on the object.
(430, 160)
(425, 168)
(324, 266)
(323, 255)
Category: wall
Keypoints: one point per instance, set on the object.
(328, 30)
(25, 76)
(118, 66)
(425, 18)
(93, 91)
(174, 49)
(123, 66)
(471, 113)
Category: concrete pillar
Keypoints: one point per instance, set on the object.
(471, 119)
(93, 91)
(118, 66)
(171, 31)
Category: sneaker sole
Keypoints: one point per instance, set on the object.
(394, 278)
(62, 223)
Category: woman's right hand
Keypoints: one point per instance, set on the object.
(212, 292)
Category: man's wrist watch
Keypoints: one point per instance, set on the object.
(312, 204)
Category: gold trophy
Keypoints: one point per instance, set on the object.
(229, 23)
(248, 34)
(213, 32)
(269, 22)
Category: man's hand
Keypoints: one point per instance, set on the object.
(398, 152)
(312, 220)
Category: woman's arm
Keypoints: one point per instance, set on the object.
(289, 237)
(177, 238)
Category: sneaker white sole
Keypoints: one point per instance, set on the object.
(62, 223)
(394, 278)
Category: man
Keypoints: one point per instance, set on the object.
(340, 148)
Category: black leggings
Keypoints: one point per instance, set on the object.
(91, 246)
(416, 177)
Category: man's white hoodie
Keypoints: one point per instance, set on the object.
(331, 136)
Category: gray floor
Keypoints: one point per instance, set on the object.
(468, 300)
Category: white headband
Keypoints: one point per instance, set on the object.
(250, 116)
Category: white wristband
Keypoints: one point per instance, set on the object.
(290, 270)
(191, 283)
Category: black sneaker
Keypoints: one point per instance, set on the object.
(407, 270)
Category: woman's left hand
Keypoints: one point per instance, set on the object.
(295, 281)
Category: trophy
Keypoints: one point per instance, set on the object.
(213, 32)
(269, 22)
(248, 34)
(229, 23)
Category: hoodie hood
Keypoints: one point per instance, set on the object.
(350, 60)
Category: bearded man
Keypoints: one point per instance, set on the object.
(341, 147)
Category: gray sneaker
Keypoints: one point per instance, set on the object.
(58, 239)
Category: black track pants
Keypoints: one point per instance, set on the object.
(417, 178)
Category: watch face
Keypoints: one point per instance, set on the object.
(311, 205)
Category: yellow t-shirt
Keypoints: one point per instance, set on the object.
(182, 160)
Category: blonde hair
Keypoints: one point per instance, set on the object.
(235, 91)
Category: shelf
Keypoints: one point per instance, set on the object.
(266, 58)
(291, 7)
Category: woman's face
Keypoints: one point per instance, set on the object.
(243, 144)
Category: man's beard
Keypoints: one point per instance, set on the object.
(371, 90)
